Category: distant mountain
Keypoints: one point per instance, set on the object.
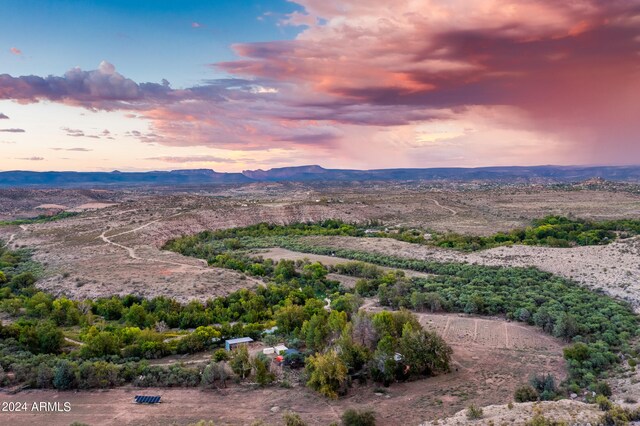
(116, 178)
(288, 173)
(549, 173)
(317, 173)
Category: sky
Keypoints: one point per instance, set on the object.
(361, 84)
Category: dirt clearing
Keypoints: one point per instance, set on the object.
(486, 369)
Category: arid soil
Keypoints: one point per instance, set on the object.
(24, 203)
(572, 412)
(614, 268)
(116, 249)
(491, 357)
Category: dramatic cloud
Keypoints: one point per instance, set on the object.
(15, 51)
(570, 67)
(3, 116)
(419, 83)
(103, 88)
(194, 159)
(13, 130)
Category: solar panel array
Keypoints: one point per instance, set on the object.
(140, 399)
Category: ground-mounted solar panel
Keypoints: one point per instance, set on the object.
(144, 399)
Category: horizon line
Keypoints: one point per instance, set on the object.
(324, 168)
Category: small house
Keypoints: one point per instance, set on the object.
(232, 344)
(268, 351)
(280, 348)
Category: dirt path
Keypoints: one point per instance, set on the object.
(146, 225)
(8, 242)
(132, 252)
(437, 203)
(75, 342)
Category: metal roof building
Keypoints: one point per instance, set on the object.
(232, 343)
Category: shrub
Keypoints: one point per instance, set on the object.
(545, 386)
(64, 375)
(293, 419)
(616, 416)
(474, 412)
(353, 417)
(220, 355)
(540, 420)
(603, 403)
(602, 388)
(208, 376)
(525, 393)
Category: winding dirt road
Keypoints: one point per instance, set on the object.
(437, 203)
(8, 242)
(132, 251)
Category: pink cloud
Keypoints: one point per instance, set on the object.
(196, 25)
(193, 159)
(364, 79)
(15, 51)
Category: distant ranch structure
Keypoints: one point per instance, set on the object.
(232, 344)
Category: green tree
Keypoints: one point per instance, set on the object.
(136, 316)
(315, 271)
(327, 374)
(424, 352)
(384, 361)
(44, 337)
(285, 270)
(64, 375)
(110, 309)
(101, 344)
(22, 281)
(316, 331)
(290, 317)
(65, 312)
(263, 376)
(240, 362)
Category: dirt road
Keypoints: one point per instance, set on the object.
(132, 252)
(437, 203)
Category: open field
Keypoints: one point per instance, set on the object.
(614, 268)
(277, 253)
(491, 357)
(115, 250)
(572, 412)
